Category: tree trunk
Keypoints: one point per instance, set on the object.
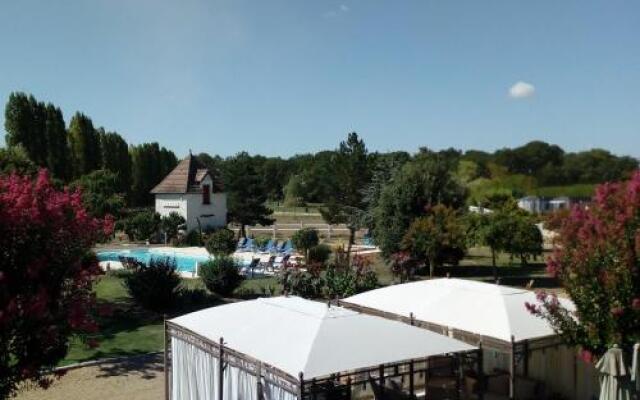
(352, 239)
(432, 266)
(493, 263)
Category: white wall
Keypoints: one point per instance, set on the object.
(195, 210)
(169, 202)
(190, 206)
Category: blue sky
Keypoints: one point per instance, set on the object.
(284, 77)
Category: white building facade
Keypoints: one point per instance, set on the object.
(193, 192)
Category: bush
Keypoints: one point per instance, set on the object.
(347, 281)
(304, 239)
(155, 286)
(142, 225)
(192, 238)
(319, 254)
(221, 242)
(221, 275)
(171, 223)
(301, 283)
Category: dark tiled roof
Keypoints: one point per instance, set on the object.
(186, 178)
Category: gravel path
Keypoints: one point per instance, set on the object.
(138, 378)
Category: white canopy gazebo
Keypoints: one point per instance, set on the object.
(488, 315)
(285, 347)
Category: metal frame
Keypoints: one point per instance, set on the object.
(518, 351)
(309, 389)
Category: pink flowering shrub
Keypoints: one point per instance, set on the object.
(46, 275)
(597, 260)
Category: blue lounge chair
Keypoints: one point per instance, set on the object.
(268, 247)
(250, 245)
(241, 243)
(288, 247)
(280, 248)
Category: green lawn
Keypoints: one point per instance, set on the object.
(131, 330)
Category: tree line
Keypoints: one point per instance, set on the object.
(341, 179)
(38, 137)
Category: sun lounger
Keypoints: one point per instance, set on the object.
(241, 243)
(288, 247)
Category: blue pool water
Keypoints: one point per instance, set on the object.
(184, 262)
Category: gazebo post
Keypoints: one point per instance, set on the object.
(480, 372)
(166, 359)
(381, 377)
(512, 370)
(525, 358)
(458, 364)
(259, 381)
(411, 382)
(221, 370)
(301, 388)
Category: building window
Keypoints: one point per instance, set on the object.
(206, 194)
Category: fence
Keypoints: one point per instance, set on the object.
(326, 230)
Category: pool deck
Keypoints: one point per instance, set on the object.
(242, 256)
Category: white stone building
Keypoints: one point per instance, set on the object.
(194, 192)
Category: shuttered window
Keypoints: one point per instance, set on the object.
(206, 194)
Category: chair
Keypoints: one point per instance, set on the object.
(288, 247)
(249, 270)
(241, 243)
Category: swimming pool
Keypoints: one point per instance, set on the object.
(184, 262)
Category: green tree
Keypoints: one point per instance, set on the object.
(141, 225)
(170, 224)
(101, 193)
(430, 237)
(221, 242)
(294, 191)
(352, 173)
(245, 193)
(420, 184)
(149, 165)
(116, 158)
(25, 123)
(304, 239)
(525, 240)
(15, 160)
(58, 157)
(84, 143)
(221, 275)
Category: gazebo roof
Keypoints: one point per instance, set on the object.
(297, 335)
(480, 308)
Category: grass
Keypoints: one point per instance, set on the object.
(128, 331)
(131, 330)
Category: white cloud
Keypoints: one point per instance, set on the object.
(342, 9)
(521, 89)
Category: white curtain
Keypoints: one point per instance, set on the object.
(194, 372)
(195, 377)
(273, 392)
(239, 384)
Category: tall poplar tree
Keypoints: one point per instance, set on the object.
(25, 126)
(116, 158)
(84, 143)
(58, 157)
(149, 165)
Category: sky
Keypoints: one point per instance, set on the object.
(285, 77)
